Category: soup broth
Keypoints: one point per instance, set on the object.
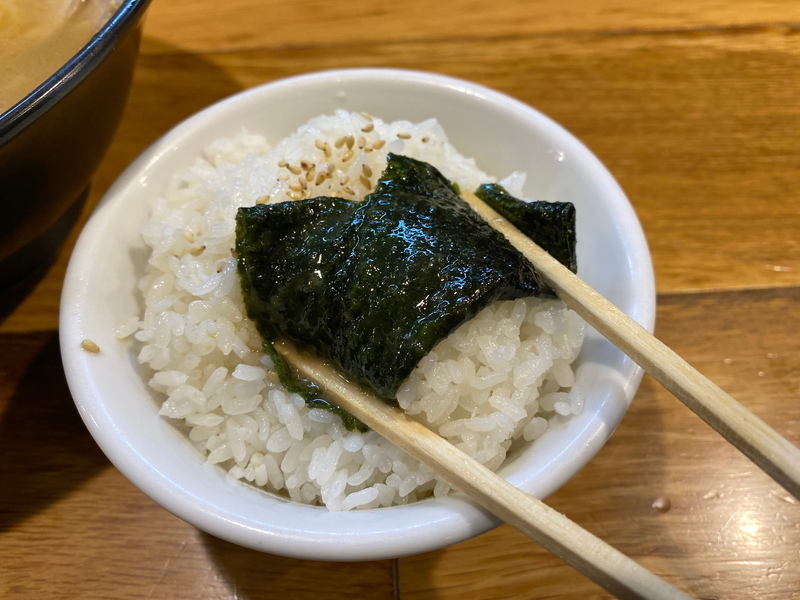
(37, 37)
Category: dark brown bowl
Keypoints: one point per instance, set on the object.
(52, 141)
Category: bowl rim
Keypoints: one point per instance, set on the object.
(471, 519)
(75, 70)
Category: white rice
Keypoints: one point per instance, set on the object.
(497, 379)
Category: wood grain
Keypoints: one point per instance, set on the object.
(244, 24)
(730, 531)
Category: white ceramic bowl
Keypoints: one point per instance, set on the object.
(503, 135)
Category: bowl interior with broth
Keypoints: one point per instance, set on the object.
(39, 37)
(66, 69)
(503, 135)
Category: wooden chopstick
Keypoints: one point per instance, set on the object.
(758, 441)
(553, 531)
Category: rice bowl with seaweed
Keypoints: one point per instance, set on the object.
(492, 383)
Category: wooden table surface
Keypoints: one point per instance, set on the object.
(694, 105)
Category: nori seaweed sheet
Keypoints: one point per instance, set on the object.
(373, 286)
(550, 224)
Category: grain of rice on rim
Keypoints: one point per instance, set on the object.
(492, 385)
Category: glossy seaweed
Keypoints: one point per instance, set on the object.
(373, 286)
(549, 224)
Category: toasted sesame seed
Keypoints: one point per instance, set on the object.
(295, 195)
(197, 251)
(349, 140)
(339, 143)
(320, 144)
(348, 191)
(303, 184)
(331, 169)
(295, 187)
(310, 175)
(367, 149)
(320, 178)
(328, 150)
(365, 182)
(425, 140)
(283, 177)
(362, 141)
(295, 170)
(306, 166)
(367, 116)
(263, 200)
(404, 136)
(368, 127)
(90, 346)
(367, 171)
(188, 236)
(283, 163)
(344, 180)
(347, 156)
(379, 144)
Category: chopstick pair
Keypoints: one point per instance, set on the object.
(553, 531)
(550, 529)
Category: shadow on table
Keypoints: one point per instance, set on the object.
(260, 576)
(13, 295)
(46, 450)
